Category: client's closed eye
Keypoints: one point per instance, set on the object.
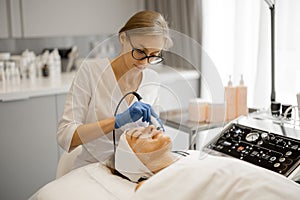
(134, 133)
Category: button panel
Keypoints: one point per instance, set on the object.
(272, 151)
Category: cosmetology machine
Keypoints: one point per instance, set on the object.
(261, 142)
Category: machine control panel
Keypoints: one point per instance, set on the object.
(272, 151)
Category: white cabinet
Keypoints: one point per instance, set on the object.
(48, 18)
(10, 19)
(28, 147)
(3, 19)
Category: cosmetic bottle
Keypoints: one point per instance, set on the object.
(230, 100)
(241, 99)
(2, 73)
(45, 70)
(56, 63)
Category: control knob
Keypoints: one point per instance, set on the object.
(265, 136)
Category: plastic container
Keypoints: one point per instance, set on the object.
(216, 112)
(4, 59)
(4, 56)
(241, 99)
(56, 63)
(230, 100)
(51, 66)
(2, 72)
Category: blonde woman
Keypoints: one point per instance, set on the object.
(88, 118)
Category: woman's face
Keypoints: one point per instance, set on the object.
(148, 140)
(150, 45)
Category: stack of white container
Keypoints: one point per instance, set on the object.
(9, 70)
(13, 68)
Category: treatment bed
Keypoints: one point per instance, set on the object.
(199, 176)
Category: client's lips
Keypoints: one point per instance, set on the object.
(156, 134)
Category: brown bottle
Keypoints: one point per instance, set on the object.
(45, 71)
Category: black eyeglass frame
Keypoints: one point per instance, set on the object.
(159, 57)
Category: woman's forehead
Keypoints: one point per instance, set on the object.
(148, 41)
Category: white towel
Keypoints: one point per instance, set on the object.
(128, 164)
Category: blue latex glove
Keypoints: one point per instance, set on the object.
(133, 113)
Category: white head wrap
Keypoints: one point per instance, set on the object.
(128, 164)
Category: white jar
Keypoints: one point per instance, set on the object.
(198, 110)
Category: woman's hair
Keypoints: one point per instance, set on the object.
(148, 23)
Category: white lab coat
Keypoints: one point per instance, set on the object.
(93, 96)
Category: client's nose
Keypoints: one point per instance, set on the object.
(150, 128)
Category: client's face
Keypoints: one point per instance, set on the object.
(147, 140)
(151, 146)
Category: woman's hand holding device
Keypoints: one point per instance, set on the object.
(135, 112)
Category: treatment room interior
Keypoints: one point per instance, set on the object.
(233, 72)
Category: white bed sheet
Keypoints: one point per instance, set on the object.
(217, 178)
(195, 178)
(93, 181)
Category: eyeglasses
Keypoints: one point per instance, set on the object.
(139, 54)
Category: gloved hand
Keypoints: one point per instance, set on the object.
(133, 113)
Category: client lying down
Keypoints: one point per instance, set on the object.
(145, 153)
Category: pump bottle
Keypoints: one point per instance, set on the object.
(230, 99)
(241, 99)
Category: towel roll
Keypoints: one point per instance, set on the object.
(198, 110)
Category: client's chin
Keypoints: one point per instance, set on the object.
(157, 161)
